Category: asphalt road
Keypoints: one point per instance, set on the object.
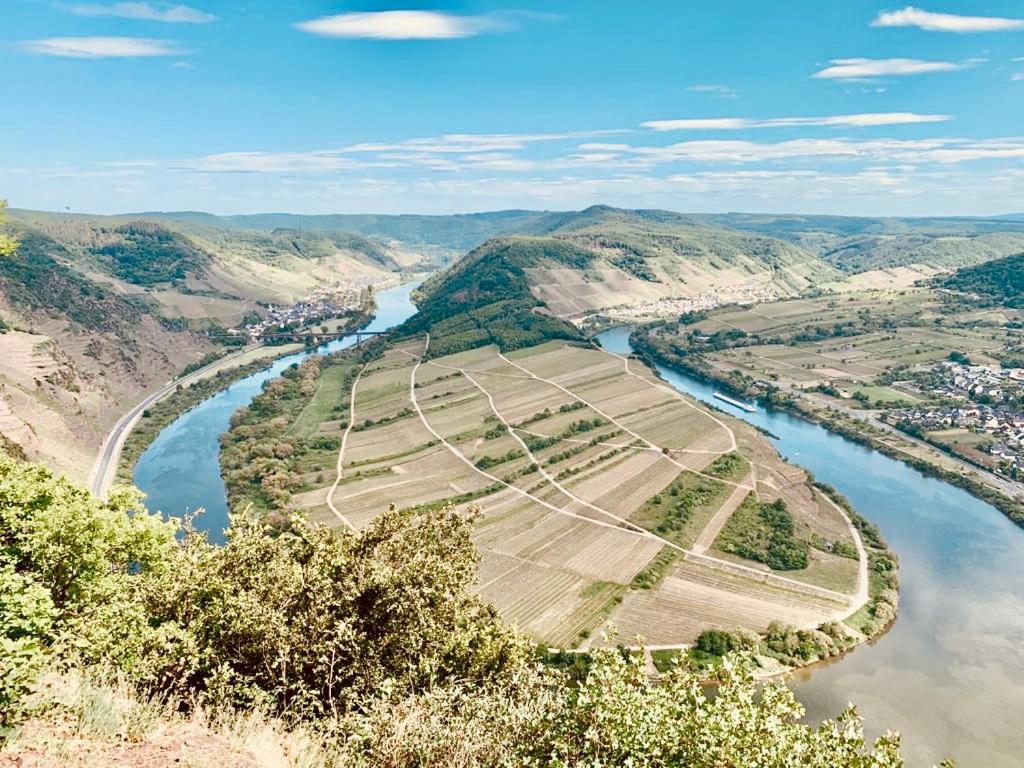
(105, 467)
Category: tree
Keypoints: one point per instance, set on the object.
(373, 638)
(8, 245)
(68, 565)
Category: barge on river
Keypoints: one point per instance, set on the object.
(739, 404)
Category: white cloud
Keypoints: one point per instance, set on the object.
(850, 69)
(458, 143)
(864, 120)
(272, 162)
(1017, 76)
(401, 25)
(164, 12)
(103, 47)
(722, 90)
(945, 22)
(736, 152)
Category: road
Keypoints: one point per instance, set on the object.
(105, 467)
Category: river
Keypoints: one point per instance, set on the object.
(180, 470)
(949, 675)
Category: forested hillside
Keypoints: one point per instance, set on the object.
(460, 232)
(98, 310)
(486, 298)
(859, 244)
(999, 282)
(73, 348)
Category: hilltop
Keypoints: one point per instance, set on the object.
(654, 262)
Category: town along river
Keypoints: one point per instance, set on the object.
(180, 471)
(949, 675)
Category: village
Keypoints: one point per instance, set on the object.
(674, 306)
(329, 301)
(988, 405)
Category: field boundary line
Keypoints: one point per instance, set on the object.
(544, 472)
(743, 570)
(719, 519)
(341, 452)
(863, 594)
(522, 492)
(624, 428)
(678, 396)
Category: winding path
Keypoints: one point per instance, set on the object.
(632, 529)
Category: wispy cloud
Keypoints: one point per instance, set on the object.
(450, 152)
(163, 12)
(103, 47)
(736, 152)
(945, 22)
(853, 69)
(864, 120)
(720, 90)
(402, 25)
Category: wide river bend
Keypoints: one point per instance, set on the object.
(950, 673)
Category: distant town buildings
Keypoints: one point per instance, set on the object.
(326, 302)
(988, 397)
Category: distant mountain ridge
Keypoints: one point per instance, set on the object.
(851, 244)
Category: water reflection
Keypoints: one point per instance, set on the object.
(180, 470)
(950, 673)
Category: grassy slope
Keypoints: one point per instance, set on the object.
(119, 304)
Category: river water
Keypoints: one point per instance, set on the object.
(949, 675)
(180, 470)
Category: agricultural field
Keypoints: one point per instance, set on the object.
(599, 491)
(849, 343)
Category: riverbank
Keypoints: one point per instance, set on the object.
(180, 470)
(183, 399)
(850, 428)
(949, 673)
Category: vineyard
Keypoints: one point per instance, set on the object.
(591, 480)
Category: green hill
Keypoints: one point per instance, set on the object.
(485, 298)
(999, 282)
(457, 231)
(860, 244)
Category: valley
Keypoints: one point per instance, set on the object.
(880, 366)
(609, 507)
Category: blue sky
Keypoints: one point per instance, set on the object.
(858, 107)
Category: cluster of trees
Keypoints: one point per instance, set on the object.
(796, 647)
(765, 532)
(995, 283)
(35, 280)
(146, 253)
(372, 639)
(675, 506)
(8, 243)
(485, 462)
(261, 463)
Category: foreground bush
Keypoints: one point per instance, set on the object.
(372, 641)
